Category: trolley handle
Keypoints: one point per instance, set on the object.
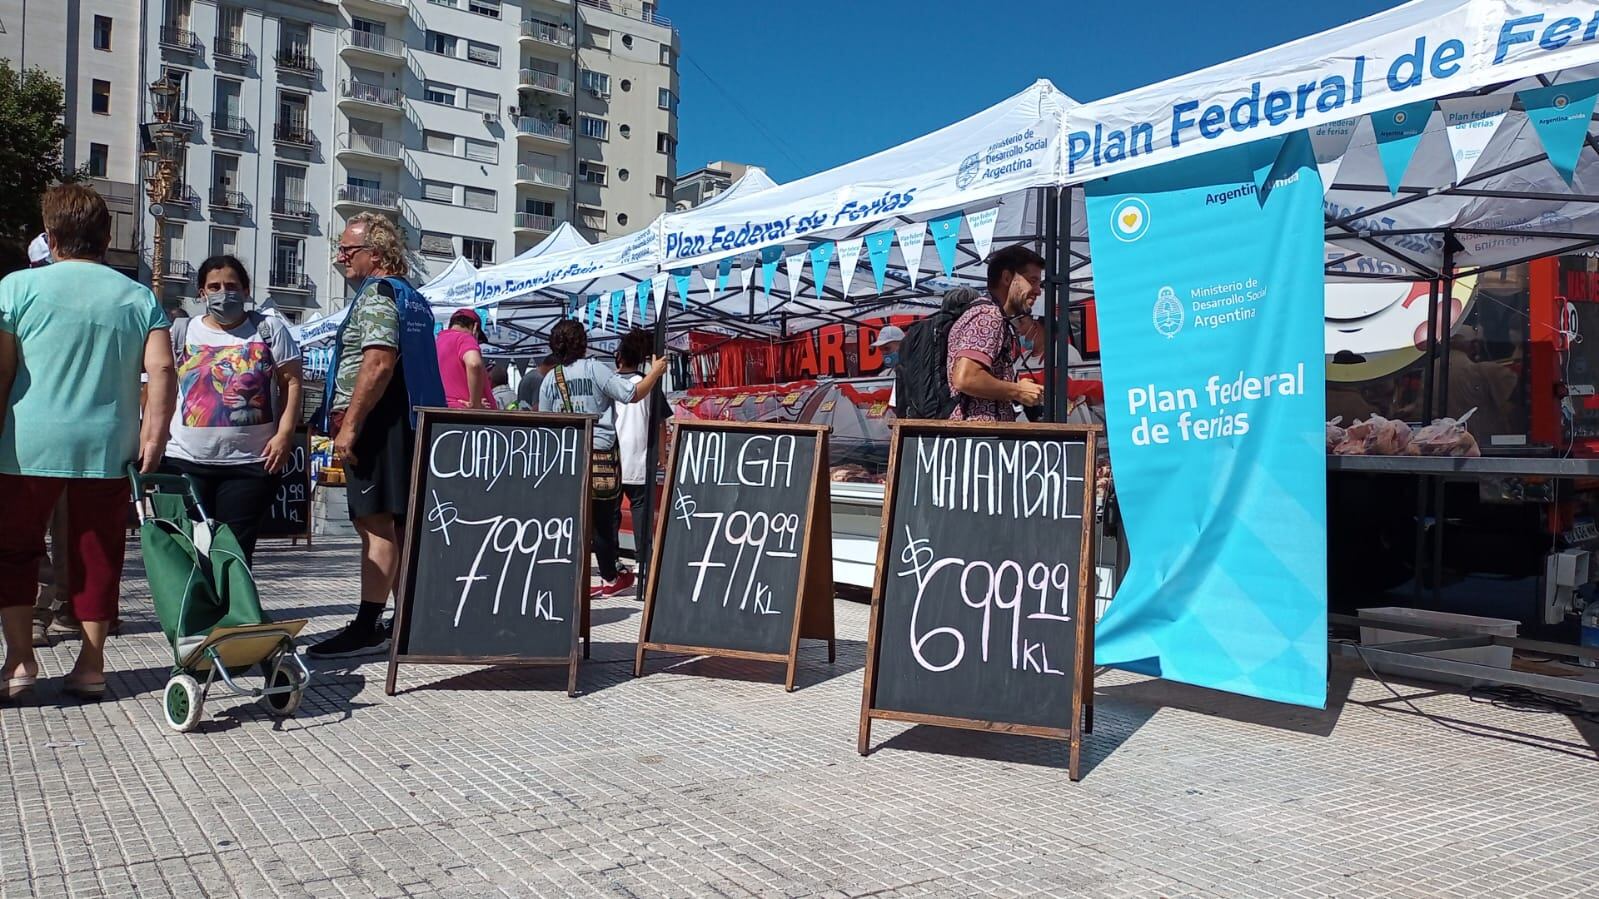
(147, 485)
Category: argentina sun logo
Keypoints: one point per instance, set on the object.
(1129, 220)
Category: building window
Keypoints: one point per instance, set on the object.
(99, 155)
(224, 242)
(591, 173)
(490, 8)
(665, 143)
(663, 186)
(483, 54)
(593, 218)
(438, 142)
(101, 101)
(480, 198)
(441, 43)
(436, 244)
(482, 150)
(482, 102)
(599, 38)
(438, 191)
(478, 251)
(102, 32)
(627, 41)
(622, 173)
(621, 219)
(626, 131)
(288, 260)
(596, 83)
(595, 127)
(667, 100)
(666, 55)
(434, 92)
(539, 207)
(450, 3)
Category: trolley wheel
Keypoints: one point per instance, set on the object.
(182, 702)
(282, 705)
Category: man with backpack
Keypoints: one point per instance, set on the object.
(960, 362)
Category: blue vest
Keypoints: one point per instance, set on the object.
(419, 357)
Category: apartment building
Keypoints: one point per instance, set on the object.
(700, 185)
(479, 125)
(92, 47)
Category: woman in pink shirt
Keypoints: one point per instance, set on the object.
(466, 378)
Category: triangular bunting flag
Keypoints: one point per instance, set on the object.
(821, 262)
(946, 234)
(1560, 114)
(682, 277)
(1471, 123)
(769, 257)
(658, 286)
(1330, 141)
(746, 274)
(912, 240)
(723, 267)
(849, 256)
(982, 228)
(795, 267)
(1398, 133)
(878, 245)
(641, 295)
(591, 312)
(618, 300)
(605, 308)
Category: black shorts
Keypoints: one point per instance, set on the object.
(379, 483)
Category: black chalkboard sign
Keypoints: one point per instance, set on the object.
(742, 562)
(496, 567)
(290, 513)
(981, 613)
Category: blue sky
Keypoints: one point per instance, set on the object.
(802, 87)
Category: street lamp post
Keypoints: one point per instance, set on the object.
(165, 142)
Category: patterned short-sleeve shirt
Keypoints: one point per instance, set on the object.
(982, 336)
(374, 322)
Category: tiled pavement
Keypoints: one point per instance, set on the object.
(705, 778)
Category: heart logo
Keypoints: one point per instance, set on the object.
(1130, 219)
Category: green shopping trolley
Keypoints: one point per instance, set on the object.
(206, 600)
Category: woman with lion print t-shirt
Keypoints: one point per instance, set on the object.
(228, 435)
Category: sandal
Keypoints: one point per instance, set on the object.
(85, 692)
(16, 689)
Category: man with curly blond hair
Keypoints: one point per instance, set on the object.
(384, 366)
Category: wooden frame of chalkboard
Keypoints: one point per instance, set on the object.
(813, 612)
(1082, 690)
(302, 445)
(426, 418)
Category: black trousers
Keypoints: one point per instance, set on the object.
(641, 529)
(236, 495)
(606, 514)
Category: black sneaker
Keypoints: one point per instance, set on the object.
(352, 641)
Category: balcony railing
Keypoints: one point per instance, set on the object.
(283, 279)
(297, 60)
(179, 38)
(180, 194)
(639, 14)
(362, 92)
(295, 134)
(532, 221)
(283, 207)
(177, 268)
(228, 48)
(228, 200)
(545, 81)
(542, 176)
(545, 33)
(176, 116)
(540, 128)
(360, 195)
(372, 146)
(374, 43)
(223, 123)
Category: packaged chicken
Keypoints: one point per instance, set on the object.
(1446, 437)
(1335, 434)
(1390, 438)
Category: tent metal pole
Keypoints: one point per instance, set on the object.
(1424, 488)
(652, 454)
(1049, 212)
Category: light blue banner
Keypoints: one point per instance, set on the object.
(618, 299)
(591, 312)
(1560, 114)
(946, 235)
(769, 258)
(723, 267)
(680, 276)
(821, 261)
(878, 245)
(1210, 320)
(1398, 133)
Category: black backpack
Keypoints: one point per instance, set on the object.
(922, 379)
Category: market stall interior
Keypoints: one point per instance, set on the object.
(1458, 283)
